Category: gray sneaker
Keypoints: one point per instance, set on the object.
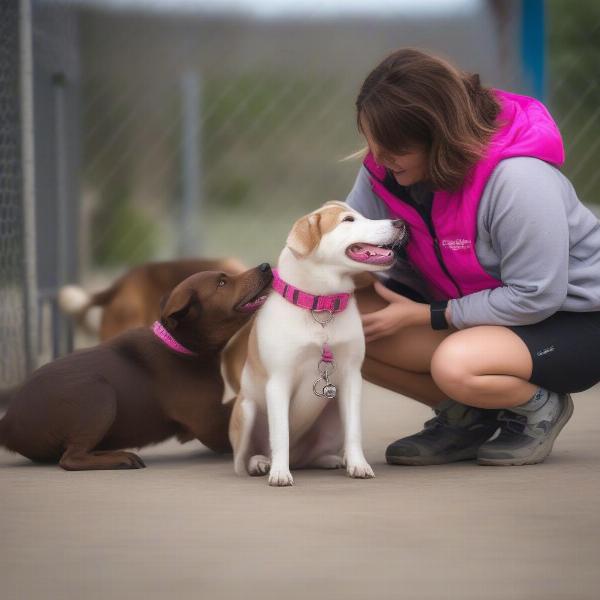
(455, 433)
(522, 439)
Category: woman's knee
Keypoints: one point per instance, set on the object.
(485, 350)
(451, 362)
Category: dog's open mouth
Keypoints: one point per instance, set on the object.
(370, 254)
(255, 302)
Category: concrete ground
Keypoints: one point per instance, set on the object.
(187, 527)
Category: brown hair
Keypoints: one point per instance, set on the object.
(414, 99)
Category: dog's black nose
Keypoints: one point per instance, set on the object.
(398, 224)
(264, 267)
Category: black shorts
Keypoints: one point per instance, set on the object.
(565, 349)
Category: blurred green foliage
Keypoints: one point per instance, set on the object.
(574, 88)
(270, 152)
(123, 234)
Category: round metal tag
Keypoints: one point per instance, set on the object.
(330, 391)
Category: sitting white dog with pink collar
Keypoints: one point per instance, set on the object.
(301, 385)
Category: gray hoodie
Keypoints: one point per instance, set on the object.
(533, 233)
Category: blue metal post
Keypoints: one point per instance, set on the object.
(533, 46)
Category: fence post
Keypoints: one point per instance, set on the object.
(191, 195)
(31, 306)
(533, 46)
(62, 333)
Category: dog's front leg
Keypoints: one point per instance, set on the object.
(278, 408)
(350, 398)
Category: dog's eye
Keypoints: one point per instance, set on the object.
(222, 282)
(348, 218)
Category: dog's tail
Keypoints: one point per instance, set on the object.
(75, 301)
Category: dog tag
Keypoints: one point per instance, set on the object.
(330, 391)
(326, 364)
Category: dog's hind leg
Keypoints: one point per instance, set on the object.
(87, 425)
(208, 423)
(80, 459)
(259, 464)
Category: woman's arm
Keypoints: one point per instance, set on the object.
(526, 217)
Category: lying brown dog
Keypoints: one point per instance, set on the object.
(141, 387)
(133, 299)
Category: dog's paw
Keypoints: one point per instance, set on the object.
(259, 465)
(133, 461)
(360, 470)
(280, 477)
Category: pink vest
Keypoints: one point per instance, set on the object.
(447, 261)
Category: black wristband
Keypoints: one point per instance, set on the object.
(438, 314)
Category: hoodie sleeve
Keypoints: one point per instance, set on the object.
(526, 218)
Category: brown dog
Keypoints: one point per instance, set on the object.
(135, 389)
(133, 299)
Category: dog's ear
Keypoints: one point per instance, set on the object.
(337, 203)
(175, 306)
(305, 235)
(163, 303)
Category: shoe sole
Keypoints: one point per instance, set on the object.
(541, 452)
(426, 461)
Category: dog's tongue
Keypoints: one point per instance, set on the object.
(254, 304)
(367, 253)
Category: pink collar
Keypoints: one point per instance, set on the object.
(333, 303)
(166, 338)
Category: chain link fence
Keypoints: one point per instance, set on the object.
(56, 82)
(574, 89)
(210, 133)
(12, 299)
(275, 116)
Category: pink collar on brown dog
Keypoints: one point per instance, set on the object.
(164, 336)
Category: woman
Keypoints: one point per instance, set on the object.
(493, 315)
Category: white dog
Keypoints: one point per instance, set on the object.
(283, 416)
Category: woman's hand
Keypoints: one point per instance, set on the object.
(400, 312)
